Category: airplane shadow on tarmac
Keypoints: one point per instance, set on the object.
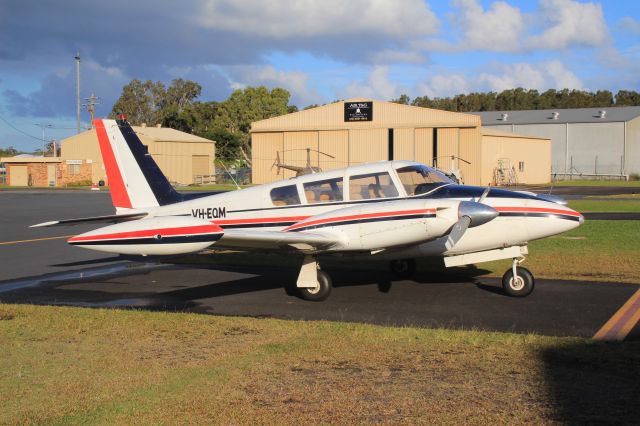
(593, 382)
(111, 288)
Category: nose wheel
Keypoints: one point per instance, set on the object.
(518, 281)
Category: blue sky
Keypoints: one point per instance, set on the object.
(319, 50)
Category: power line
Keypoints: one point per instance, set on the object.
(18, 130)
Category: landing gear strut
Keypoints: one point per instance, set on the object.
(313, 284)
(518, 281)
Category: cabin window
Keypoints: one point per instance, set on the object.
(421, 179)
(285, 196)
(373, 185)
(323, 191)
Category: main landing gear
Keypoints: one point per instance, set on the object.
(313, 284)
(518, 281)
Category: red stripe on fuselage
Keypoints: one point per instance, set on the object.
(187, 230)
(260, 220)
(359, 216)
(119, 195)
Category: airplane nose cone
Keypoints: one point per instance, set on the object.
(479, 213)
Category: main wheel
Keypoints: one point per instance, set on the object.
(320, 292)
(520, 287)
(403, 268)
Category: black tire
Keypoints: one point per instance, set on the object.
(403, 268)
(319, 293)
(522, 287)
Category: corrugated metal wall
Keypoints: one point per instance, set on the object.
(295, 150)
(535, 155)
(324, 128)
(404, 144)
(175, 159)
(336, 144)
(331, 117)
(424, 145)
(470, 150)
(367, 146)
(263, 154)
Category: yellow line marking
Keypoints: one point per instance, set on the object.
(622, 322)
(4, 243)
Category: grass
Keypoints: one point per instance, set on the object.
(62, 365)
(609, 205)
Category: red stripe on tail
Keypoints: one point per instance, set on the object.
(119, 195)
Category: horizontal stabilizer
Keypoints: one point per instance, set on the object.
(114, 218)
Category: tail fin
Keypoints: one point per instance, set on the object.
(135, 180)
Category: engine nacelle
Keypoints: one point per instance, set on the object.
(370, 226)
(166, 235)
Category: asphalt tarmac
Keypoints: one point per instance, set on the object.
(48, 271)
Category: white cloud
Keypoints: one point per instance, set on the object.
(296, 82)
(440, 86)
(541, 76)
(629, 24)
(497, 29)
(377, 86)
(308, 18)
(570, 23)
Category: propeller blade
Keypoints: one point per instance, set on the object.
(484, 194)
(470, 214)
(457, 232)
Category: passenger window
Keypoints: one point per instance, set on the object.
(285, 196)
(324, 191)
(374, 185)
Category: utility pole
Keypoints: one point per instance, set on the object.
(78, 89)
(90, 104)
(44, 142)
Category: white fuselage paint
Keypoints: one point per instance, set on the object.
(252, 208)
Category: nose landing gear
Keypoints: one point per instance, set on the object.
(518, 281)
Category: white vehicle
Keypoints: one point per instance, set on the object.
(393, 211)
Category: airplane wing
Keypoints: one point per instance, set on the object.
(115, 218)
(301, 241)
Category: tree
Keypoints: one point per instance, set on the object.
(149, 102)
(140, 102)
(227, 144)
(627, 98)
(245, 106)
(9, 152)
(403, 99)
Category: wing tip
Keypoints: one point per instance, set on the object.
(43, 224)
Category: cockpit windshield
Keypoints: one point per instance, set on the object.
(421, 179)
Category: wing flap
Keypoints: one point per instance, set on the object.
(301, 241)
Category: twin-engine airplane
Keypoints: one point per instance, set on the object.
(392, 210)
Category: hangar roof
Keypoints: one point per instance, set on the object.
(551, 116)
(384, 115)
(167, 134)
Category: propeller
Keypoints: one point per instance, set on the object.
(470, 214)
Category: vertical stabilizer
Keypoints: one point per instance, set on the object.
(135, 180)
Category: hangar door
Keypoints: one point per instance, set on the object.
(19, 176)
(200, 165)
